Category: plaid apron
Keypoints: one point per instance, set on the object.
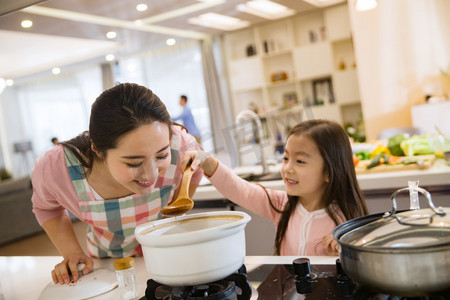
(111, 223)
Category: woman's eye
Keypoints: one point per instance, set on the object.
(163, 157)
(134, 165)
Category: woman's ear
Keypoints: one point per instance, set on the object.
(94, 149)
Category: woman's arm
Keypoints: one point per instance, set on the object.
(62, 235)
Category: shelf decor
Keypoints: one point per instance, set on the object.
(322, 91)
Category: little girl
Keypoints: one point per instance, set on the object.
(321, 189)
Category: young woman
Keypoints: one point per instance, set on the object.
(115, 177)
(321, 189)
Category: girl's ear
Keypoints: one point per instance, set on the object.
(326, 178)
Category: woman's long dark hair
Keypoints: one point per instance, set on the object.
(342, 189)
(114, 113)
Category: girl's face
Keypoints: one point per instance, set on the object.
(303, 169)
(140, 156)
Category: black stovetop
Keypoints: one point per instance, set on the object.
(280, 282)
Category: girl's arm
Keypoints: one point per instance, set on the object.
(236, 189)
(62, 235)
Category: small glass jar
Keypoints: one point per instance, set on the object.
(126, 278)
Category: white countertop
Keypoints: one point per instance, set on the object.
(438, 175)
(24, 277)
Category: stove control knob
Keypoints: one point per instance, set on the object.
(302, 266)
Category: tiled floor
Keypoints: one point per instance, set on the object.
(40, 244)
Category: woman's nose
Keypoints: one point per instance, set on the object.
(150, 172)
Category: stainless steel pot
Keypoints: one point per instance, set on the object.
(400, 253)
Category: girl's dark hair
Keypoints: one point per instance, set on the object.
(342, 189)
(114, 113)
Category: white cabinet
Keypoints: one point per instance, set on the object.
(305, 60)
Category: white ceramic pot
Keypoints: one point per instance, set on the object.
(194, 249)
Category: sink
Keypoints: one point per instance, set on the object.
(261, 177)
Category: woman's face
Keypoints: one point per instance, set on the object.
(303, 168)
(140, 156)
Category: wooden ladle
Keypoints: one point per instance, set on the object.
(183, 203)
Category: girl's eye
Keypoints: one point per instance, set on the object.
(285, 158)
(163, 157)
(300, 161)
(134, 165)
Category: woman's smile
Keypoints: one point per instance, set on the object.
(144, 184)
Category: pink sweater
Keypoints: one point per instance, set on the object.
(305, 230)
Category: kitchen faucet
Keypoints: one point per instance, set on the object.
(244, 116)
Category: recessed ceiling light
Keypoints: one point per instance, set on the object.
(138, 22)
(111, 34)
(323, 3)
(109, 57)
(265, 9)
(56, 71)
(171, 42)
(217, 21)
(26, 23)
(362, 5)
(141, 7)
(9, 82)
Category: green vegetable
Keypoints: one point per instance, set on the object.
(363, 155)
(416, 145)
(394, 144)
(376, 160)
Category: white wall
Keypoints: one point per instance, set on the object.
(400, 48)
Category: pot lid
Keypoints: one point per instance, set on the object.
(90, 285)
(409, 229)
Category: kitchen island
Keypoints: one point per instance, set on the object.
(436, 179)
(376, 187)
(24, 277)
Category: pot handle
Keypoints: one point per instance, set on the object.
(392, 213)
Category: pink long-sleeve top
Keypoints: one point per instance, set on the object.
(305, 229)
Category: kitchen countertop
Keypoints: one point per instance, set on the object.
(437, 175)
(24, 277)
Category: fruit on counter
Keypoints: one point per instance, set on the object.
(394, 144)
(380, 149)
(356, 160)
(416, 145)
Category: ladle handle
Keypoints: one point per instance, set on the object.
(187, 175)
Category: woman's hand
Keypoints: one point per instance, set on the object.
(200, 159)
(60, 274)
(331, 246)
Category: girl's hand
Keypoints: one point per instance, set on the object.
(200, 159)
(60, 274)
(331, 245)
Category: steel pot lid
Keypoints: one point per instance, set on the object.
(419, 228)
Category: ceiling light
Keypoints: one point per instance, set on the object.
(265, 9)
(9, 82)
(171, 42)
(111, 34)
(323, 3)
(109, 57)
(56, 71)
(141, 7)
(26, 23)
(362, 5)
(217, 21)
(138, 23)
